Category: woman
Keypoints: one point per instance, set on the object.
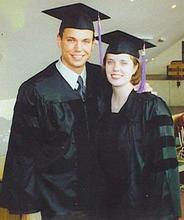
(135, 142)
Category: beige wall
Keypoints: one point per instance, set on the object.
(168, 90)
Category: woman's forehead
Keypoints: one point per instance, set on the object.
(121, 56)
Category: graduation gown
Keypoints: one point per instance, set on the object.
(137, 158)
(50, 153)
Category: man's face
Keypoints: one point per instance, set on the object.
(76, 46)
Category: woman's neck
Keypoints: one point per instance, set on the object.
(120, 96)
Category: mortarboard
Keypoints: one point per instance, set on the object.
(121, 42)
(79, 16)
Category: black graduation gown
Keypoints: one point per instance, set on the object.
(137, 158)
(50, 154)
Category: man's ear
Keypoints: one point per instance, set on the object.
(59, 40)
(95, 42)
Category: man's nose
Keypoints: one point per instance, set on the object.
(78, 45)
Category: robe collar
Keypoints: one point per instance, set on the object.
(70, 76)
(65, 91)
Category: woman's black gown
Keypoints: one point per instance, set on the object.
(137, 168)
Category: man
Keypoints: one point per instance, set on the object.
(49, 162)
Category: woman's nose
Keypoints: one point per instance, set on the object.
(116, 67)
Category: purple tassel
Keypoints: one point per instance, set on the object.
(143, 72)
(100, 41)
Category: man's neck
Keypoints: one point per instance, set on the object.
(77, 70)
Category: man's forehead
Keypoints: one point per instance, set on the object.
(77, 33)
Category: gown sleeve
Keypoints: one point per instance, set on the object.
(19, 191)
(161, 167)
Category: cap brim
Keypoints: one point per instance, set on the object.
(115, 36)
(63, 11)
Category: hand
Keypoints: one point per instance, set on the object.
(147, 88)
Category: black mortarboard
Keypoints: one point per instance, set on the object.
(121, 42)
(77, 16)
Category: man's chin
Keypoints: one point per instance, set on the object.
(79, 63)
(77, 67)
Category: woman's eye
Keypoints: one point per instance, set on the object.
(123, 62)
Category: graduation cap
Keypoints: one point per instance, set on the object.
(121, 42)
(79, 16)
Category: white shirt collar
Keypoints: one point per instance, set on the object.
(69, 75)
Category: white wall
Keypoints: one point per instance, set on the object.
(167, 89)
(159, 64)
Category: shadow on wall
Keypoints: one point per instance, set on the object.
(4, 134)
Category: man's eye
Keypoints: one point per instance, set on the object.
(87, 41)
(110, 62)
(70, 40)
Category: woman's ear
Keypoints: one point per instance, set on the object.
(136, 77)
(136, 66)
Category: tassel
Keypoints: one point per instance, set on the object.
(143, 71)
(100, 41)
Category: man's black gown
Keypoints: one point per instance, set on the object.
(49, 164)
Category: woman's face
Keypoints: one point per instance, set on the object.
(119, 69)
